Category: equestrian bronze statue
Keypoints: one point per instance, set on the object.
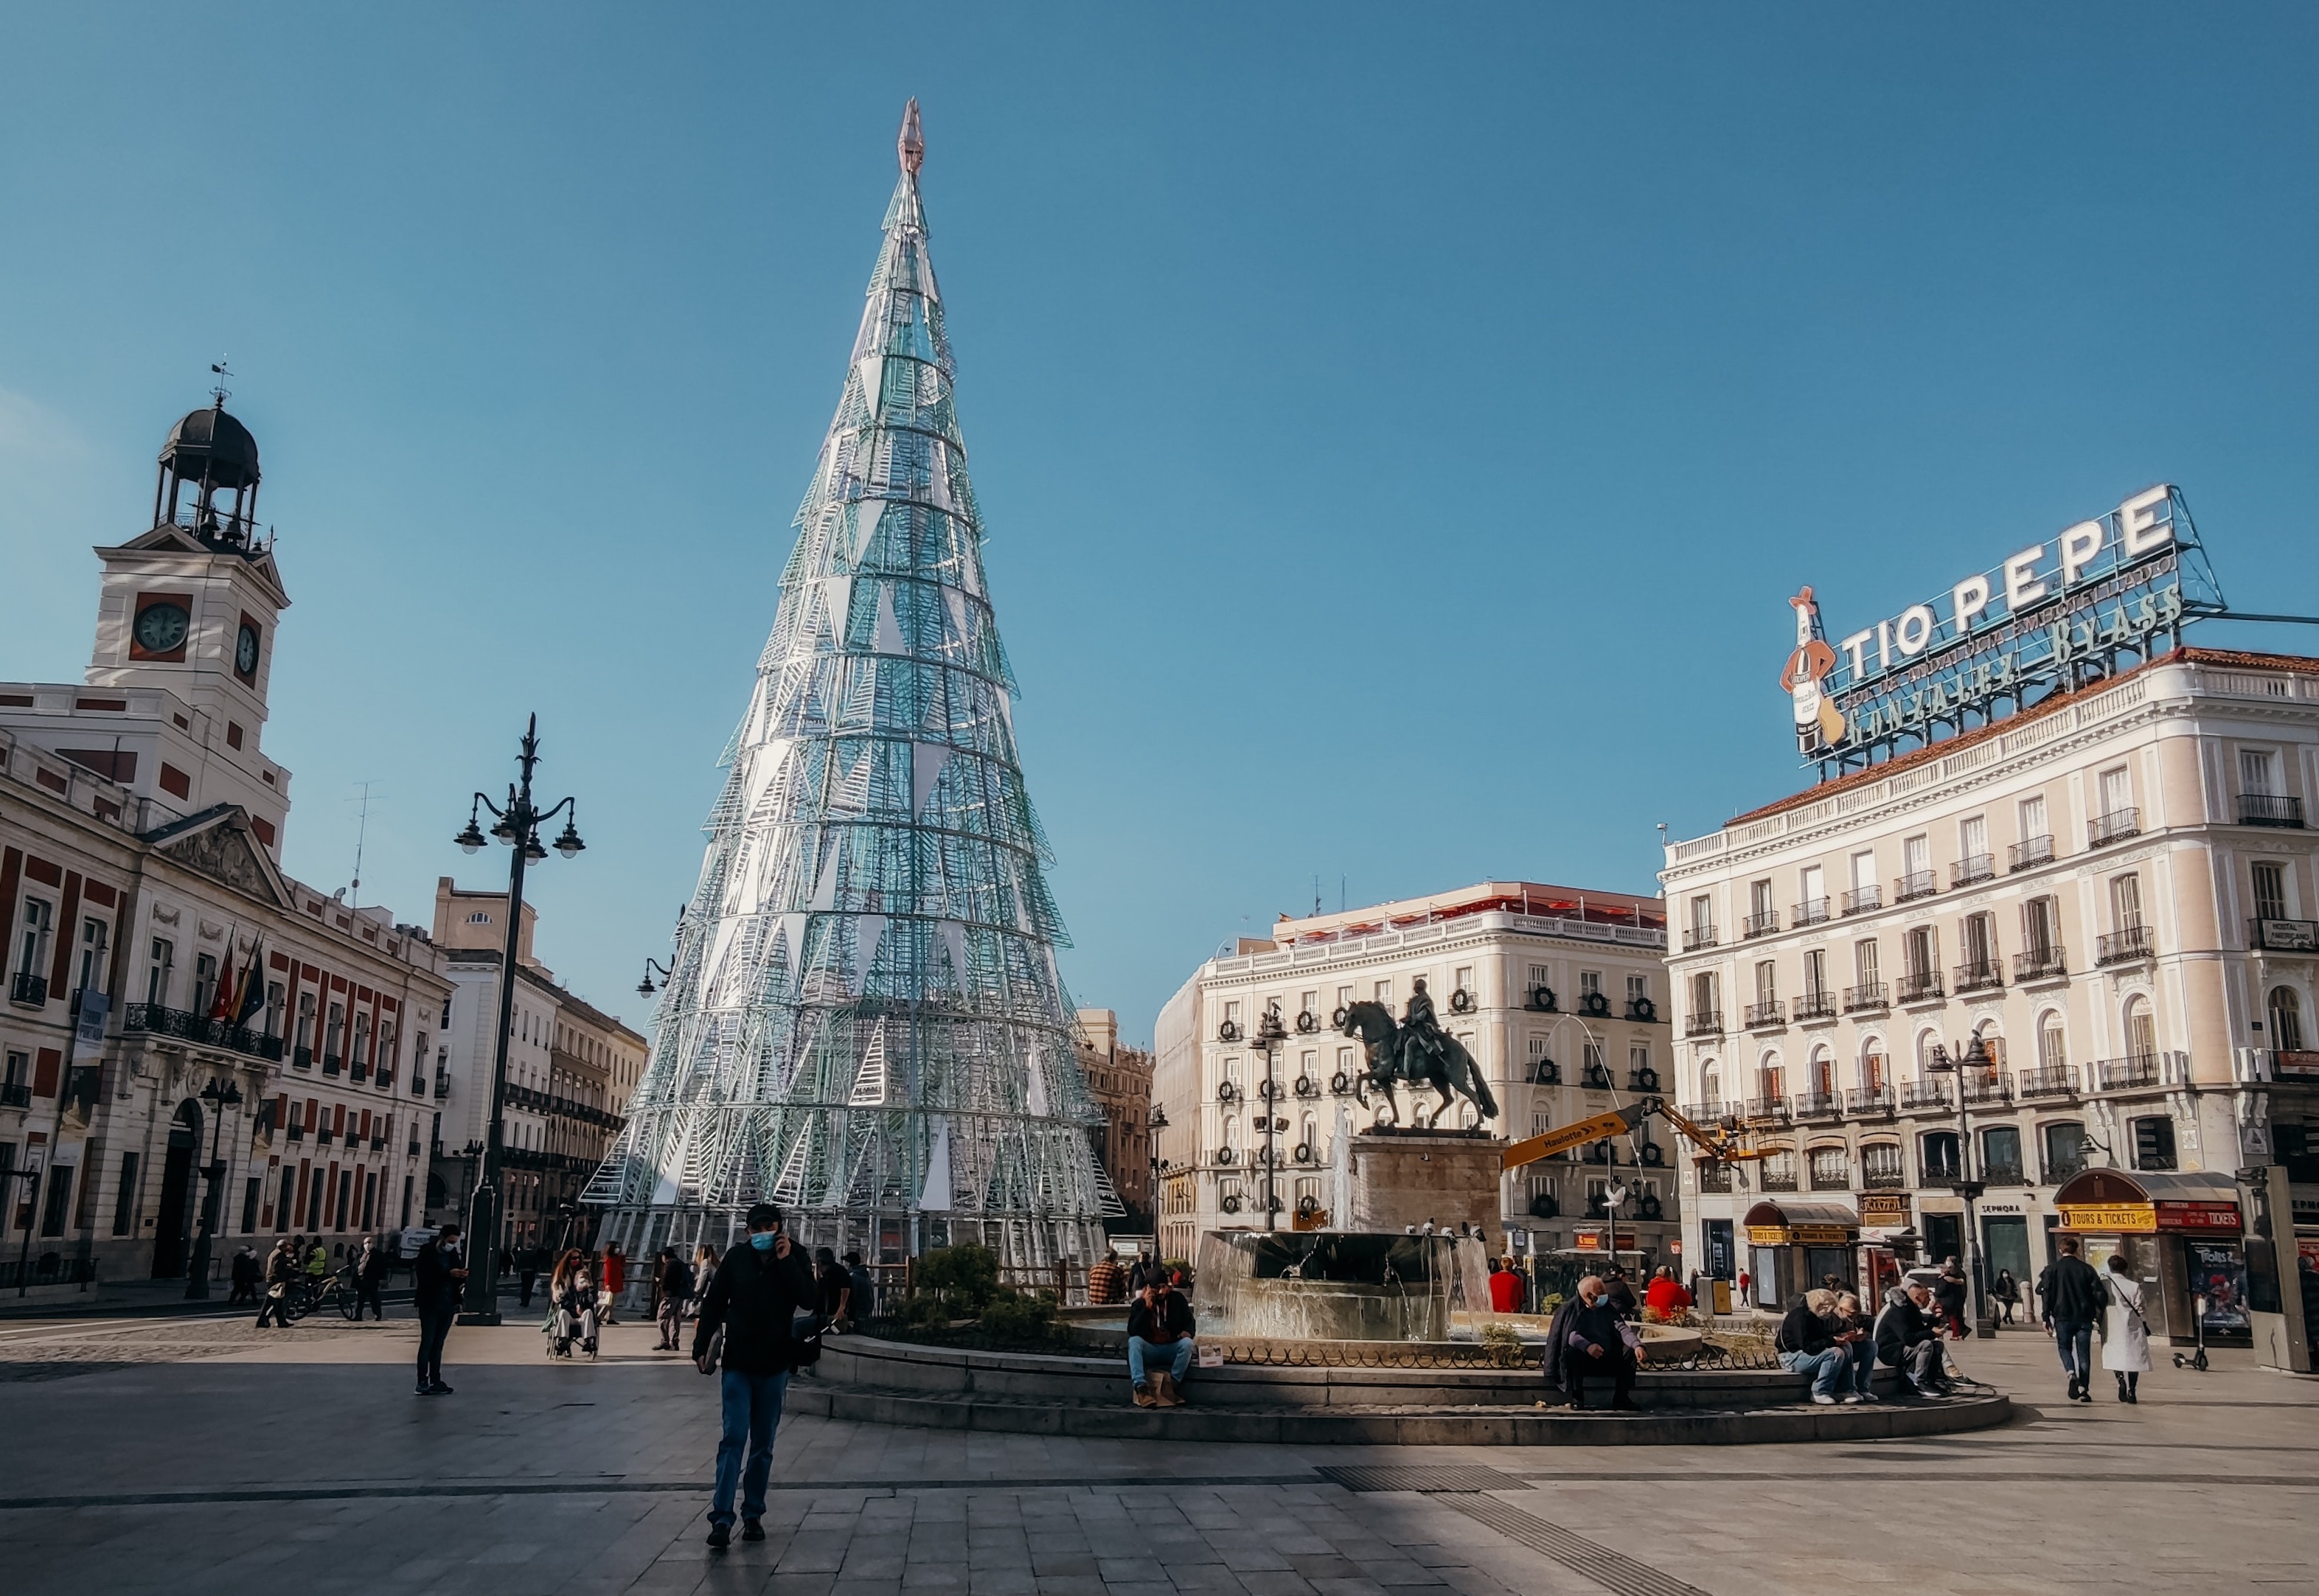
(1416, 1051)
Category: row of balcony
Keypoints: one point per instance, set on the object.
(1936, 1094)
(2049, 963)
(154, 1019)
(1715, 1178)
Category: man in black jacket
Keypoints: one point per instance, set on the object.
(1160, 1324)
(675, 1285)
(1807, 1346)
(1584, 1339)
(441, 1275)
(2073, 1297)
(1907, 1339)
(754, 1298)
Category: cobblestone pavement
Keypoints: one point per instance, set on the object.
(207, 1455)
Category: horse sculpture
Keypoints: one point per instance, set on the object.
(1446, 1067)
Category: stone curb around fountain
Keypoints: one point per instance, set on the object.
(947, 1388)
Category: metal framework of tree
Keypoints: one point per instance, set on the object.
(864, 1021)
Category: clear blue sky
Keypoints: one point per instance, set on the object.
(1399, 428)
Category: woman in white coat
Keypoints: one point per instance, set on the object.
(2125, 1338)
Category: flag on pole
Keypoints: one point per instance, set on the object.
(253, 988)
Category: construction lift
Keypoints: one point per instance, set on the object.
(1725, 1146)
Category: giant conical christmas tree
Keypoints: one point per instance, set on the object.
(865, 1022)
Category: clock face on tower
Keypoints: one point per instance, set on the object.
(245, 651)
(161, 628)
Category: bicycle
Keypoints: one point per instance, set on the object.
(310, 1294)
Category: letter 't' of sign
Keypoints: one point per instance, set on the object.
(1970, 597)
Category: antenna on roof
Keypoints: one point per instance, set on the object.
(218, 369)
(362, 833)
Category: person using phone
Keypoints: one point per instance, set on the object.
(759, 1289)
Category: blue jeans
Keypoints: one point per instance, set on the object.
(1824, 1368)
(1179, 1352)
(752, 1411)
(2074, 1337)
(1861, 1367)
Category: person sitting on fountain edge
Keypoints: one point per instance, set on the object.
(1585, 1339)
(1160, 1325)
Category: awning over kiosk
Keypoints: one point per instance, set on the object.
(1802, 1224)
(2144, 1201)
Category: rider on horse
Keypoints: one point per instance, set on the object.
(1422, 1037)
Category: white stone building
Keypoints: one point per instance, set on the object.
(1559, 994)
(2111, 892)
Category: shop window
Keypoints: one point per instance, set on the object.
(2153, 1142)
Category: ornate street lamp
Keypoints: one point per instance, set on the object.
(1938, 1062)
(517, 825)
(220, 1095)
(654, 966)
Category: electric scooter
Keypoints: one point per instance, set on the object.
(2198, 1359)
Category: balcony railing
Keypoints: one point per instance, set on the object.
(2057, 1170)
(153, 1019)
(1815, 1006)
(1916, 884)
(2040, 964)
(2123, 947)
(1815, 1104)
(2005, 1175)
(1778, 1180)
(1761, 924)
(1925, 1094)
(1697, 937)
(16, 1093)
(331, 1063)
(1869, 995)
(1812, 911)
(1763, 1015)
(2029, 853)
(1706, 1112)
(301, 1058)
(1922, 986)
(2059, 1081)
(27, 988)
(2113, 827)
(358, 1072)
(1766, 1108)
(1987, 1086)
(1868, 1100)
(1714, 1177)
(1704, 1022)
(1883, 1180)
(1859, 900)
(1971, 868)
(2284, 936)
(2260, 808)
(1980, 975)
(2141, 1069)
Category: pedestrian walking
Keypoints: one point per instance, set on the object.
(675, 1292)
(370, 1278)
(528, 1276)
(865, 1290)
(746, 1331)
(2073, 1296)
(2007, 1295)
(281, 1273)
(247, 1274)
(2126, 1334)
(442, 1274)
(704, 1276)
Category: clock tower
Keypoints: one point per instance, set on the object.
(173, 703)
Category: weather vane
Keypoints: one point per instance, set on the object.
(218, 368)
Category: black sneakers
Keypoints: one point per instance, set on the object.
(752, 1529)
(720, 1535)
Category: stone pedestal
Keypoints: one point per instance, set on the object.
(1399, 1178)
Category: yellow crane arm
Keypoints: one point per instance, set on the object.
(1618, 1123)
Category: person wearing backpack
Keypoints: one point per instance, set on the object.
(2126, 1334)
(2073, 1299)
(747, 1325)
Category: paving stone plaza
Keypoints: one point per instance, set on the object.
(199, 1455)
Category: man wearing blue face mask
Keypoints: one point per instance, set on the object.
(758, 1291)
